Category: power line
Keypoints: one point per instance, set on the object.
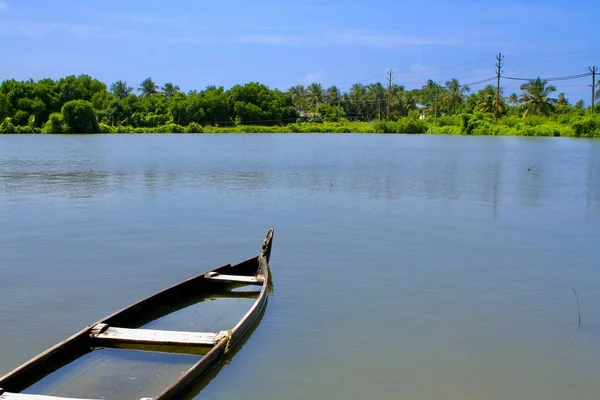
(553, 60)
(479, 82)
(560, 78)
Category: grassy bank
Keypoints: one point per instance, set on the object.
(474, 124)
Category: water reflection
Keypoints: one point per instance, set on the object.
(485, 176)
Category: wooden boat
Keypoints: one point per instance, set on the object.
(116, 329)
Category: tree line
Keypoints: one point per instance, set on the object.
(82, 104)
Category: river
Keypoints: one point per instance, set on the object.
(404, 266)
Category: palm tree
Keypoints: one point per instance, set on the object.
(486, 100)
(535, 97)
(332, 94)
(402, 102)
(376, 100)
(456, 94)
(562, 100)
(513, 99)
(120, 89)
(299, 96)
(316, 93)
(148, 88)
(355, 100)
(170, 90)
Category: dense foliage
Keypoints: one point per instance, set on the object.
(81, 104)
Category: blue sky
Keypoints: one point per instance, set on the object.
(283, 43)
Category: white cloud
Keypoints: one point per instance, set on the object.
(35, 29)
(258, 38)
(390, 41)
(420, 68)
(316, 76)
(276, 37)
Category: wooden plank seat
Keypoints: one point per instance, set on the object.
(249, 280)
(157, 337)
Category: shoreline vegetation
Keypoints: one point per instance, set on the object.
(81, 104)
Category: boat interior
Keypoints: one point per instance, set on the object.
(139, 351)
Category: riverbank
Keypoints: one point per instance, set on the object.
(475, 124)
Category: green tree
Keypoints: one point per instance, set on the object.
(455, 94)
(79, 117)
(217, 109)
(316, 94)
(55, 124)
(355, 101)
(148, 88)
(485, 100)
(332, 95)
(513, 99)
(120, 89)
(170, 90)
(562, 100)
(375, 102)
(535, 97)
(4, 106)
(82, 87)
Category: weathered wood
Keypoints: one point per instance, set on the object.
(253, 271)
(22, 396)
(149, 336)
(192, 375)
(250, 280)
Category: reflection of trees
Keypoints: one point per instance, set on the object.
(592, 183)
(481, 174)
(83, 184)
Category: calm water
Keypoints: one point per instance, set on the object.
(417, 267)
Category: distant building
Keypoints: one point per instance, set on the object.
(305, 116)
(423, 110)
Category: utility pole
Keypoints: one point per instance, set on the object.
(499, 66)
(437, 95)
(390, 76)
(593, 70)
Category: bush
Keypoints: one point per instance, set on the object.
(149, 120)
(194, 127)
(447, 120)
(20, 118)
(534, 120)
(125, 129)
(26, 129)
(80, 117)
(411, 125)
(510, 121)
(55, 124)
(547, 129)
(588, 126)
(7, 127)
(403, 125)
(169, 128)
(445, 130)
(104, 128)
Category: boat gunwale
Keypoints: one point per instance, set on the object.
(193, 373)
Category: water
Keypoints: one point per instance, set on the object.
(424, 267)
